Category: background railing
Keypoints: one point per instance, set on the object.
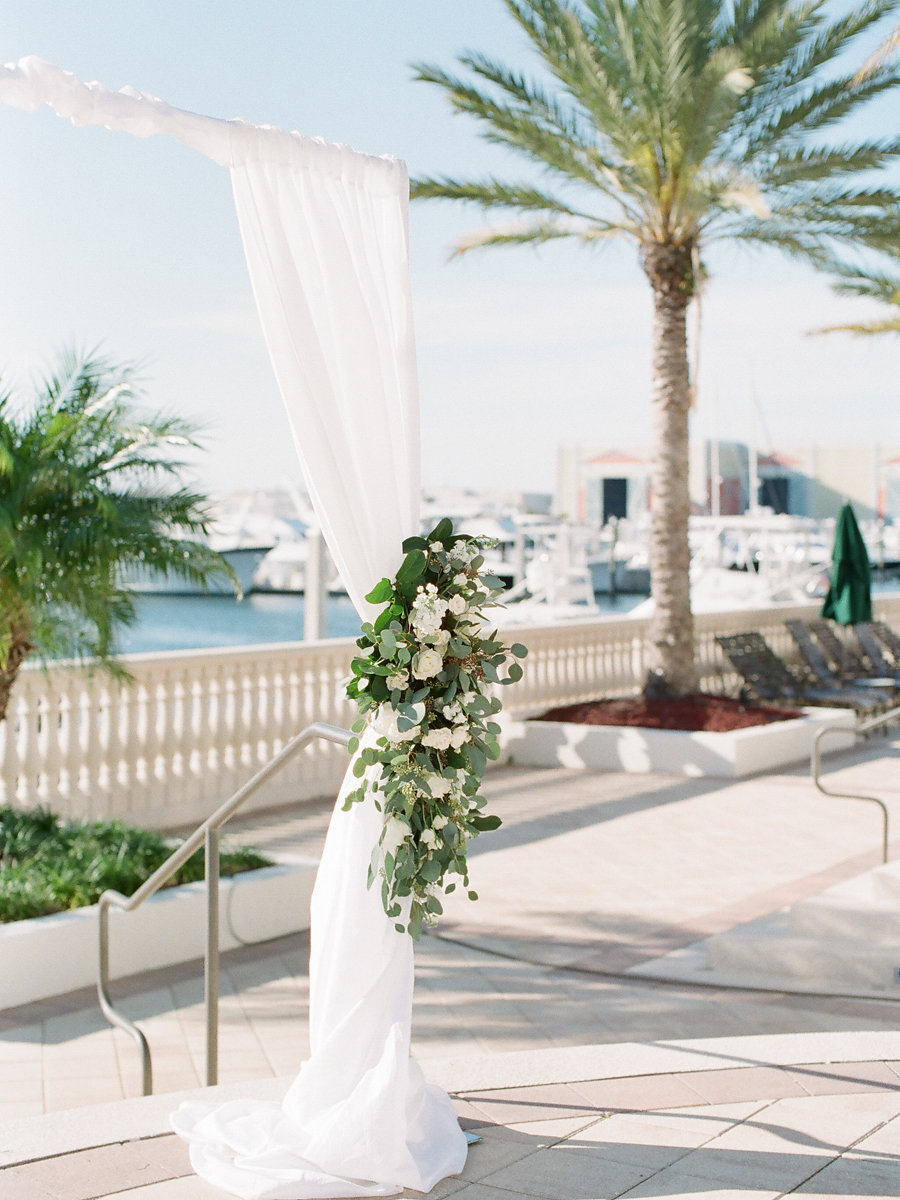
(195, 725)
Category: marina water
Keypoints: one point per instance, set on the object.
(209, 622)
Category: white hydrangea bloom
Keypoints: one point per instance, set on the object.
(439, 739)
(461, 552)
(427, 611)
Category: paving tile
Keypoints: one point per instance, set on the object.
(529, 1103)
(743, 1083)
(831, 1123)
(677, 1184)
(478, 1191)
(84, 1174)
(190, 1188)
(18, 1185)
(492, 1155)
(545, 1133)
(834, 1078)
(780, 1171)
(559, 1174)
(884, 1140)
(13, 1110)
(640, 1093)
(855, 1175)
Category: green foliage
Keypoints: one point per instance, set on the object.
(48, 865)
(677, 122)
(872, 285)
(88, 492)
(424, 682)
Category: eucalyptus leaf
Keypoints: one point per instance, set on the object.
(381, 592)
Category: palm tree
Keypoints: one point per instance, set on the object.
(877, 286)
(672, 123)
(83, 499)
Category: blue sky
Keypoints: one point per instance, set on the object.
(133, 245)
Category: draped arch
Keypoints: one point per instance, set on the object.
(324, 230)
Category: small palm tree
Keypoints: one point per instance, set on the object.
(673, 123)
(83, 499)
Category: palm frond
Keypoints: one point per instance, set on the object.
(533, 234)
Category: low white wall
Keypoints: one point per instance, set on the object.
(196, 725)
(48, 956)
(729, 755)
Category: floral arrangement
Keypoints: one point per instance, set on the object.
(424, 684)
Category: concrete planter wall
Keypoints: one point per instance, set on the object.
(628, 748)
(51, 955)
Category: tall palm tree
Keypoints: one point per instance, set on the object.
(85, 495)
(673, 123)
(875, 286)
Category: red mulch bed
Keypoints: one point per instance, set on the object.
(717, 714)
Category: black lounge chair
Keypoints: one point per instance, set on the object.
(767, 677)
(888, 638)
(825, 658)
(873, 648)
(840, 653)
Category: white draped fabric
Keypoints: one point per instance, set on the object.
(324, 233)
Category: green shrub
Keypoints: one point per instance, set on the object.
(48, 865)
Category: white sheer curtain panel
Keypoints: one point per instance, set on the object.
(325, 237)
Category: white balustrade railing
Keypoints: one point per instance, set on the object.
(166, 749)
(195, 725)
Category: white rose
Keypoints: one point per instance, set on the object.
(438, 786)
(428, 837)
(435, 547)
(440, 640)
(395, 833)
(400, 680)
(461, 579)
(458, 735)
(440, 739)
(427, 663)
(439, 821)
(457, 605)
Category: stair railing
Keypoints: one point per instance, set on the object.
(859, 730)
(206, 834)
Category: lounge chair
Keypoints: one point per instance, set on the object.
(825, 657)
(873, 648)
(889, 639)
(840, 653)
(767, 677)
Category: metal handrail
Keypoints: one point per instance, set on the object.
(207, 834)
(859, 730)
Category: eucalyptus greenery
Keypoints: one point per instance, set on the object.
(425, 686)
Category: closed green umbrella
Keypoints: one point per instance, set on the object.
(849, 598)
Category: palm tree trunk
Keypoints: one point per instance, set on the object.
(19, 649)
(670, 650)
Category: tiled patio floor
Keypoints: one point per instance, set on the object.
(591, 874)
